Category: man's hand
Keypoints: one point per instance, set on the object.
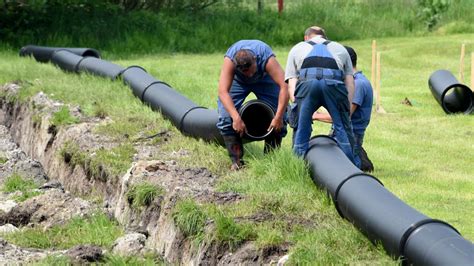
(276, 124)
(239, 126)
(323, 117)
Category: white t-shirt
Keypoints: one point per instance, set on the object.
(299, 52)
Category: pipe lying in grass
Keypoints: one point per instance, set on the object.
(358, 197)
(74, 63)
(380, 215)
(453, 96)
(189, 118)
(44, 54)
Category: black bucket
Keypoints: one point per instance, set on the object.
(257, 116)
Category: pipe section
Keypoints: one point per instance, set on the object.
(380, 215)
(66, 60)
(138, 79)
(257, 116)
(453, 96)
(44, 54)
(100, 67)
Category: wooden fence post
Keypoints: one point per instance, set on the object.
(461, 63)
(472, 71)
(374, 50)
(378, 105)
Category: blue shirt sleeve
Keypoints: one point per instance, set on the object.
(359, 93)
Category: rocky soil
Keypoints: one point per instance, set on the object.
(29, 146)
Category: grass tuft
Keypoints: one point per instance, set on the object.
(189, 217)
(104, 163)
(143, 194)
(230, 233)
(63, 117)
(268, 237)
(96, 230)
(15, 183)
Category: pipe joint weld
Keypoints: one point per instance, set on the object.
(180, 125)
(336, 193)
(411, 229)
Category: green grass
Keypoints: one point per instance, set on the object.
(116, 160)
(15, 182)
(59, 260)
(96, 230)
(215, 28)
(103, 163)
(143, 194)
(63, 117)
(229, 232)
(109, 259)
(189, 217)
(421, 154)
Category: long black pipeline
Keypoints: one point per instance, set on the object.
(381, 216)
(44, 54)
(189, 118)
(358, 197)
(453, 96)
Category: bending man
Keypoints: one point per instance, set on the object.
(250, 66)
(361, 109)
(319, 73)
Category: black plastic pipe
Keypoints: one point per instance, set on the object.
(71, 62)
(381, 216)
(453, 96)
(100, 67)
(44, 54)
(138, 79)
(257, 116)
(66, 60)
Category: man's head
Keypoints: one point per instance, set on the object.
(314, 31)
(353, 55)
(245, 62)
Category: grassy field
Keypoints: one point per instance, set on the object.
(421, 154)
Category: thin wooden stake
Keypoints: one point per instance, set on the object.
(472, 71)
(461, 63)
(374, 50)
(378, 106)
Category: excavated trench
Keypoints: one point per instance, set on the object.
(33, 147)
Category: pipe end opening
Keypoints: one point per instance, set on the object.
(91, 53)
(257, 117)
(458, 98)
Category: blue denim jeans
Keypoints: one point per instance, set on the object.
(332, 94)
(266, 90)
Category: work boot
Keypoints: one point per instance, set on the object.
(367, 165)
(235, 149)
(272, 142)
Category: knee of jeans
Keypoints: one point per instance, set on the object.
(357, 161)
(224, 124)
(300, 149)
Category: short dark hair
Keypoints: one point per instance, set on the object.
(315, 30)
(243, 59)
(352, 54)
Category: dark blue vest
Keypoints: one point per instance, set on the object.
(320, 64)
